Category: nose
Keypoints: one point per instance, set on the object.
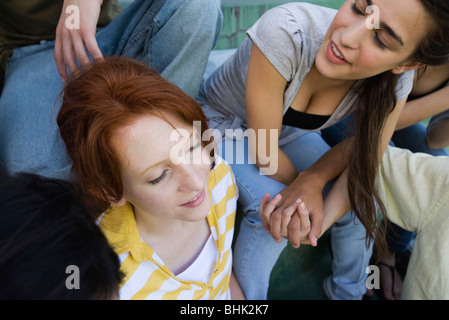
(353, 34)
(191, 178)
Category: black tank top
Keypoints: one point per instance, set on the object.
(303, 120)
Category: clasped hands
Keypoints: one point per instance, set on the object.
(296, 213)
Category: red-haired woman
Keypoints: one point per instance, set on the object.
(171, 214)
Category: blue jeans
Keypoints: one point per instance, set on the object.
(256, 252)
(412, 138)
(173, 36)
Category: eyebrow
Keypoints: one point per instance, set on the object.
(387, 28)
(160, 162)
(152, 166)
(390, 31)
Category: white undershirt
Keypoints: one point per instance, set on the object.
(202, 267)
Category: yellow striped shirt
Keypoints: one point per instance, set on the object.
(146, 275)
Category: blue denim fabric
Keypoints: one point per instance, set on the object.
(412, 138)
(256, 252)
(175, 37)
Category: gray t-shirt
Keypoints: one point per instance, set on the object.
(289, 36)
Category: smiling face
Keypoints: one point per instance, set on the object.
(153, 183)
(353, 50)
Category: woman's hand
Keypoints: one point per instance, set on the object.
(71, 42)
(303, 197)
(293, 223)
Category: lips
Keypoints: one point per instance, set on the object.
(334, 54)
(195, 201)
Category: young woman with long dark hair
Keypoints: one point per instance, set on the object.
(301, 69)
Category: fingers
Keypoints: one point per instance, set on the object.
(92, 47)
(299, 226)
(263, 202)
(80, 53)
(73, 45)
(316, 226)
(294, 234)
(83, 41)
(65, 52)
(304, 217)
(262, 213)
(59, 56)
(69, 55)
(293, 222)
(72, 49)
(286, 218)
(266, 209)
(279, 221)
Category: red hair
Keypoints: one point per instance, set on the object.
(96, 103)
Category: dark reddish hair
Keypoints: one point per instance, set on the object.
(105, 97)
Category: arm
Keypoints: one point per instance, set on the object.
(236, 290)
(422, 108)
(309, 185)
(264, 111)
(71, 40)
(267, 207)
(438, 137)
(336, 203)
(264, 100)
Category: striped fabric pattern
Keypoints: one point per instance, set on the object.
(146, 275)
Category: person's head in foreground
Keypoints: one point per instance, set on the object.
(50, 246)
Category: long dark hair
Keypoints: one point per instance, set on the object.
(378, 93)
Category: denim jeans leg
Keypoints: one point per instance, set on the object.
(350, 256)
(339, 131)
(413, 138)
(398, 239)
(255, 252)
(29, 136)
(252, 268)
(183, 43)
(174, 37)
